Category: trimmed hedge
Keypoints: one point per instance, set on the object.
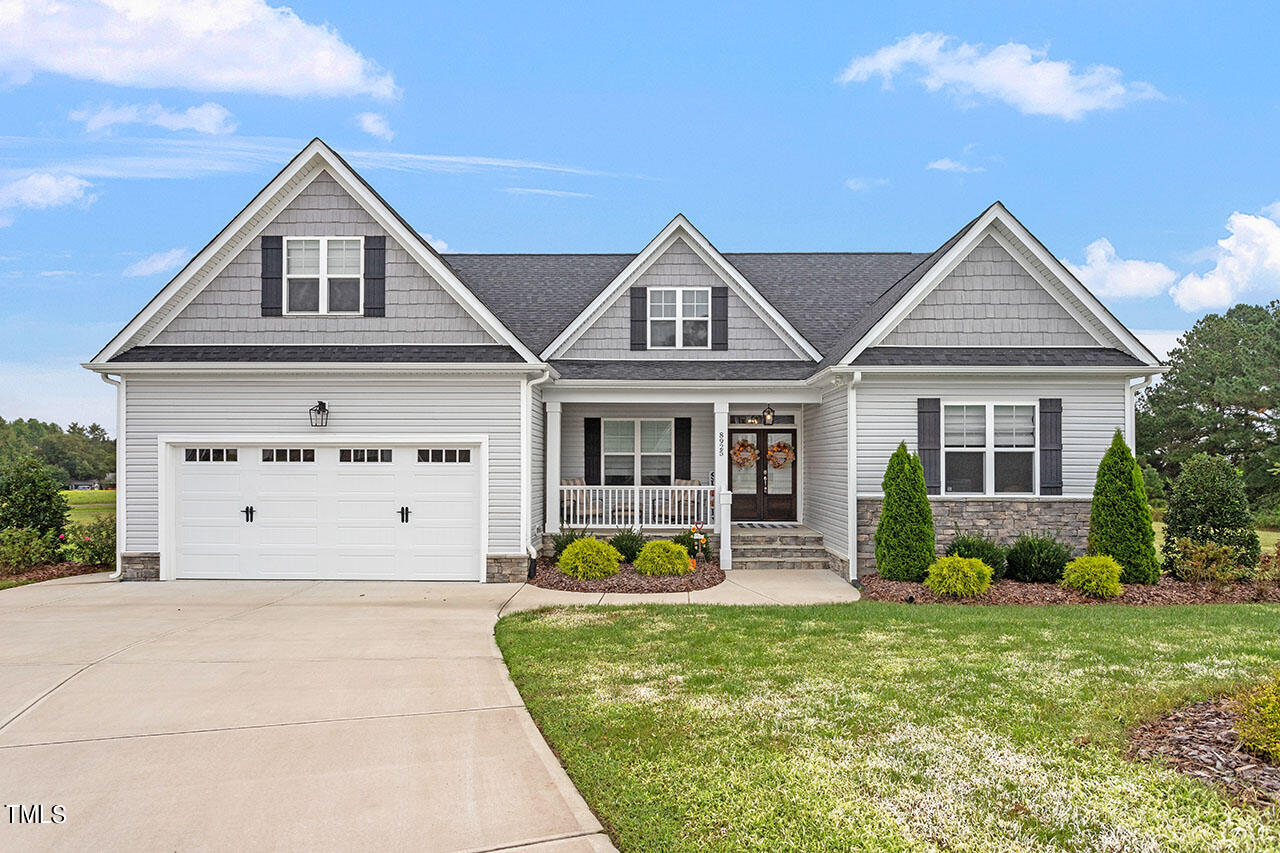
(663, 558)
(589, 559)
(904, 535)
(1098, 576)
(960, 577)
(1120, 517)
(979, 547)
(1037, 559)
(1207, 504)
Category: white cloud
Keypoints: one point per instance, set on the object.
(1159, 341)
(40, 191)
(860, 184)
(946, 164)
(405, 162)
(166, 261)
(207, 118)
(1016, 74)
(537, 191)
(1108, 275)
(1246, 262)
(375, 124)
(201, 45)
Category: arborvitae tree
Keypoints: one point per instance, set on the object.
(1120, 520)
(904, 534)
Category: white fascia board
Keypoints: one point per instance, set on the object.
(677, 228)
(1117, 370)
(579, 391)
(279, 367)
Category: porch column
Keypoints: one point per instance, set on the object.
(724, 498)
(552, 503)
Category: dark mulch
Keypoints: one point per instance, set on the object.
(52, 571)
(1167, 591)
(1201, 740)
(707, 575)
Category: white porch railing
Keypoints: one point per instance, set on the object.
(637, 506)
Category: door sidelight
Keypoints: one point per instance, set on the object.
(248, 513)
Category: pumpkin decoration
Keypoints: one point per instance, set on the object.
(781, 454)
(744, 454)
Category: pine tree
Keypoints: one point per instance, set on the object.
(904, 534)
(1120, 518)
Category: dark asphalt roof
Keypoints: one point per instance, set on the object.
(704, 370)
(371, 354)
(995, 357)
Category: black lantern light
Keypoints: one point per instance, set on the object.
(319, 414)
(767, 415)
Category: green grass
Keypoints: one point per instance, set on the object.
(887, 727)
(1268, 538)
(86, 514)
(100, 497)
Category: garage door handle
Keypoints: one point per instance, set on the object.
(248, 513)
(404, 514)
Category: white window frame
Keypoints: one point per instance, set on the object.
(989, 449)
(679, 318)
(323, 277)
(637, 454)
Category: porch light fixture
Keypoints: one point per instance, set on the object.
(319, 414)
(767, 415)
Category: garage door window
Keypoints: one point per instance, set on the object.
(360, 454)
(445, 455)
(289, 454)
(211, 454)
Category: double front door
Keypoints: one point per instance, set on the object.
(762, 474)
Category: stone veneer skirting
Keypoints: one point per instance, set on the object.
(140, 566)
(1000, 519)
(507, 568)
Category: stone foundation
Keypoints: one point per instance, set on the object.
(507, 568)
(140, 567)
(1003, 520)
(713, 539)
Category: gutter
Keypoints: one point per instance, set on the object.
(120, 451)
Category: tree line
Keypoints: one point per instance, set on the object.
(77, 453)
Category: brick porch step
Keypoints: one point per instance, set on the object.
(778, 548)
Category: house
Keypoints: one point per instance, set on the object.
(319, 393)
(84, 485)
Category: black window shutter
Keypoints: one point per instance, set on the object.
(929, 441)
(639, 308)
(1051, 446)
(272, 276)
(719, 318)
(684, 449)
(375, 276)
(591, 451)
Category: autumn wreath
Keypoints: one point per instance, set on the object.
(744, 453)
(781, 454)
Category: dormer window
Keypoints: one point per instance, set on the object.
(679, 318)
(323, 275)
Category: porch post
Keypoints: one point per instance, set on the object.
(724, 498)
(552, 503)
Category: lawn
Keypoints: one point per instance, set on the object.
(90, 504)
(1268, 538)
(887, 727)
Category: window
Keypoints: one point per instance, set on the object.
(680, 318)
(323, 275)
(210, 454)
(358, 454)
(989, 448)
(289, 454)
(640, 451)
(446, 455)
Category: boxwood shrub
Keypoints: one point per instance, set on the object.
(589, 559)
(1098, 576)
(663, 558)
(960, 577)
(1037, 559)
(979, 547)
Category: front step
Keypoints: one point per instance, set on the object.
(778, 548)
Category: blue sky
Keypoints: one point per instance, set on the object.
(1138, 143)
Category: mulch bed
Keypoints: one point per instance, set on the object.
(1167, 591)
(1200, 740)
(707, 575)
(52, 571)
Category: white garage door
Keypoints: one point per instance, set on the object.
(372, 512)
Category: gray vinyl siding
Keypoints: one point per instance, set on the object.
(989, 300)
(749, 336)
(825, 456)
(537, 462)
(228, 310)
(372, 406)
(701, 442)
(1093, 408)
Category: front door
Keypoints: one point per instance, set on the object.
(762, 474)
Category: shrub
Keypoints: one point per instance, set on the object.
(1208, 562)
(1153, 483)
(904, 535)
(1207, 504)
(961, 577)
(31, 497)
(565, 538)
(1259, 721)
(1120, 519)
(695, 542)
(1267, 577)
(22, 548)
(979, 547)
(628, 543)
(1037, 559)
(1096, 575)
(663, 558)
(93, 544)
(587, 558)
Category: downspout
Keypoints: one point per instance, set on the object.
(120, 450)
(533, 552)
(1131, 409)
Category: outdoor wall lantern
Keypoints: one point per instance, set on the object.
(319, 414)
(767, 415)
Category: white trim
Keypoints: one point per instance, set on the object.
(691, 392)
(989, 448)
(551, 457)
(677, 228)
(316, 152)
(851, 468)
(275, 368)
(322, 276)
(1117, 370)
(121, 528)
(679, 318)
(167, 446)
